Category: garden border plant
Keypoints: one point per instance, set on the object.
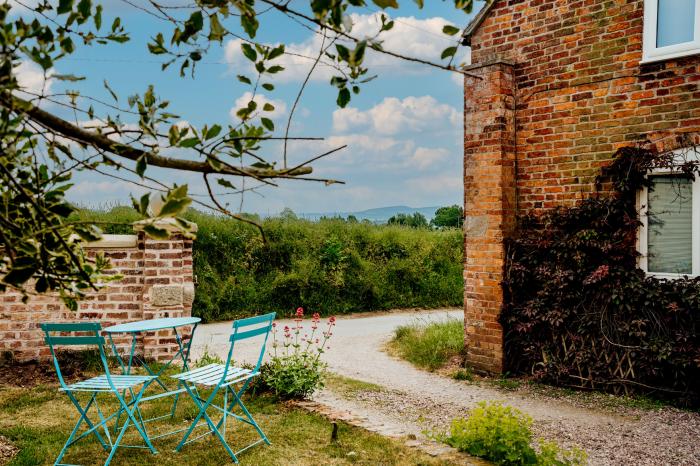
(578, 311)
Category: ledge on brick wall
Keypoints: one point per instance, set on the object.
(114, 241)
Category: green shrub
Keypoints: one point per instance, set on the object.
(430, 345)
(331, 266)
(502, 434)
(296, 376)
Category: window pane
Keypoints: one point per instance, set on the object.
(676, 22)
(670, 225)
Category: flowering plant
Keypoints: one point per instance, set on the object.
(295, 369)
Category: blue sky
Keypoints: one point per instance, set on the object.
(403, 131)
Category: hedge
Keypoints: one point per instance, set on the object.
(331, 266)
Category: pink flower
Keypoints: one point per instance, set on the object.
(300, 312)
(286, 328)
(316, 316)
(274, 324)
(331, 319)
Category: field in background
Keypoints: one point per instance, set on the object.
(331, 266)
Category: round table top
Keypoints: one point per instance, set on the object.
(152, 324)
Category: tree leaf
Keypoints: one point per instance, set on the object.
(386, 3)
(244, 79)
(114, 95)
(268, 107)
(249, 52)
(213, 132)
(448, 52)
(450, 30)
(216, 30)
(343, 97)
(267, 123)
(67, 77)
(156, 232)
(64, 6)
(141, 166)
(268, 86)
(174, 206)
(225, 183)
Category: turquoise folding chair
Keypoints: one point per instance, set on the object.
(224, 376)
(116, 385)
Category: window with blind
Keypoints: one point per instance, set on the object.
(671, 29)
(670, 230)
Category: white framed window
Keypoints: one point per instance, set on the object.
(671, 29)
(669, 235)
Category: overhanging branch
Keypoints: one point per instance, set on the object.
(99, 141)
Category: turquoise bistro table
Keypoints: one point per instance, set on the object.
(183, 353)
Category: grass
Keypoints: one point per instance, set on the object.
(39, 419)
(349, 387)
(429, 345)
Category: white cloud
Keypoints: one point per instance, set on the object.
(445, 182)
(425, 157)
(30, 77)
(418, 38)
(260, 99)
(393, 116)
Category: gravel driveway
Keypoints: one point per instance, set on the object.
(414, 400)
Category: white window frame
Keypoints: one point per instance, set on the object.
(643, 233)
(651, 52)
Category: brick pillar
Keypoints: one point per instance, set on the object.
(489, 207)
(168, 289)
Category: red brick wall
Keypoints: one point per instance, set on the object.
(146, 264)
(579, 93)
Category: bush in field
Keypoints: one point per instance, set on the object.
(332, 266)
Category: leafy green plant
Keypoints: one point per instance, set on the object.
(575, 299)
(429, 345)
(295, 370)
(502, 434)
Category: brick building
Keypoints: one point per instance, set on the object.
(555, 88)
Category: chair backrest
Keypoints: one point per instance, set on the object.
(249, 328)
(90, 337)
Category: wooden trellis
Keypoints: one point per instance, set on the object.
(604, 366)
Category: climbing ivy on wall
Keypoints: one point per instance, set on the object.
(579, 312)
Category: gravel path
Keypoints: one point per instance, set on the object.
(414, 400)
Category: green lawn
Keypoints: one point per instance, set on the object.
(39, 419)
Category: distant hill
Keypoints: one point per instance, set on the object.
(376, 215)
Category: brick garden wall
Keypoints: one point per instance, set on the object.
(157, 282)
(579, 93)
